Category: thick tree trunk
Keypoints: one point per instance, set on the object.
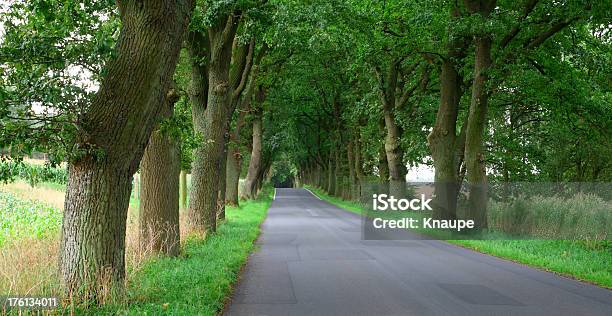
(206, 172)
(474, 155)
(446, 147)
(255, 164)
(442, 143)
(159, 202)
(395, 155)
(199, 51)
(117, 127)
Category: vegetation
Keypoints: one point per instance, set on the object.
(23, 218)
(32, 173)
(586, 260)
(335, 94)
(208, 266)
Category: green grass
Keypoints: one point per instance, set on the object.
(352, 206)
(582, 260)
(21, 218)
(200, 281)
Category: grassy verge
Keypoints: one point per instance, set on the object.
(200, 281)
(584, 261)
(196, 283)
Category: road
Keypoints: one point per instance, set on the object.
(311, 260)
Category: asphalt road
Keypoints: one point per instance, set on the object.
(311, 260)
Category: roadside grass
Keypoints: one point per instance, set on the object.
(200, 280)
(581, 260)
(352, 206)
(197, 282)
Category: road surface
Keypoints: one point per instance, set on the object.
(311, 260)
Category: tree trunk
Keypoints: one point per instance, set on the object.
(159, 203)
(383, 165)
(474, 155)
(359, 176)
(117, 127)
(232, 176)
(234, 158)
(331, 176)
(397, 169)
(222, 184)
(339, 174)
(206, 173)
(199, 51)
(250, 184)
(442, 143)
(351, 170)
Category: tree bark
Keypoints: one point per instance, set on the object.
(115, 131)
(397, 169)
(383, 165)
(206, 173)
(159, 201)
(222, 184)
(351, 170)
(255, 164)
(234, 164)
(332, 172)
(474, 155)
(443, 141)
(234, 158)
(339, 174)
(199, 56)
(359, 175)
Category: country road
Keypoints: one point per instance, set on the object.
(311, 260)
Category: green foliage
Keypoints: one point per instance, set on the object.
(52, 55)
(26, 219)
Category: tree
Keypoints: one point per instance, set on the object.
(215, 44)
(159, 194)
(99, 185)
